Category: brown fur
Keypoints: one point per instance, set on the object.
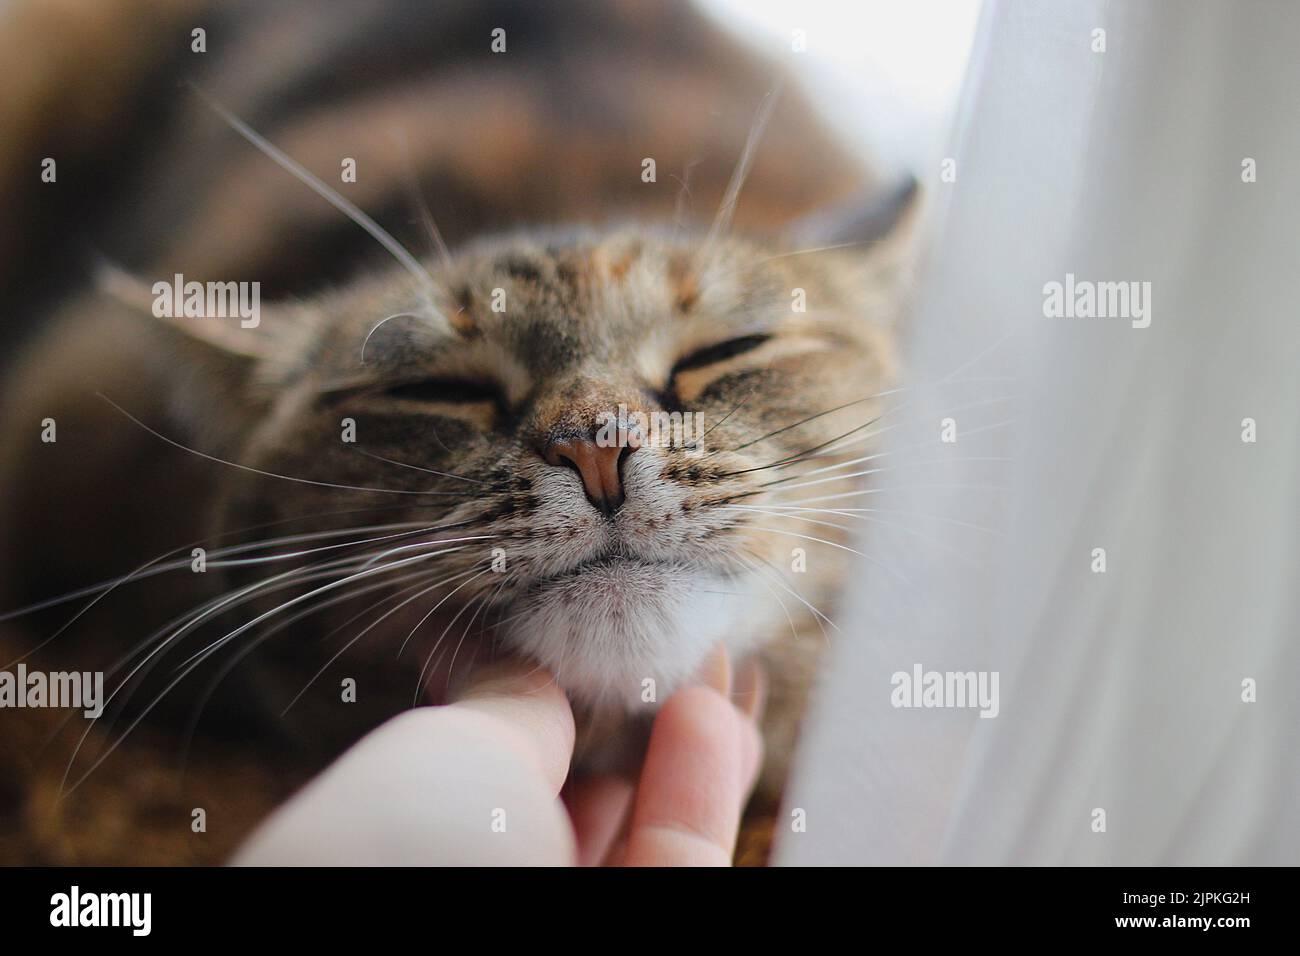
(596, 316)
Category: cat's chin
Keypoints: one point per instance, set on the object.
(624, 633)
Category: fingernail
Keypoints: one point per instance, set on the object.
(715, 672)
(750, 691)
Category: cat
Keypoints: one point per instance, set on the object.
(395, 472)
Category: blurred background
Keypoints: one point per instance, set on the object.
(886, 74)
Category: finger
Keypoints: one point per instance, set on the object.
(457, 785)
(531, 709)
(715, 672)
(750, 695)
(693, 783)
(597, 806)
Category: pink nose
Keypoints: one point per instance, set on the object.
(597, 465)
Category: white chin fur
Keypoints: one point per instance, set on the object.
(608, 628)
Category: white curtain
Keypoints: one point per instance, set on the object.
(1126, 690)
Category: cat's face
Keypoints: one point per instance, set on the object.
(611, 555)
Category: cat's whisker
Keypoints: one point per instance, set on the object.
(722, 220)
(807, 454)
(781, 484)
(819, 451)
(815, 249)
(739, 558)
(228, 600)
(427, 544)
(271, 474)
(195, 660)
(877, 491)
(765, 567)
(158, 641)
(833, 544)
(366, 570)
(421, 577)
(413, 187)
(423, 590)
(330, 195)
(451, 666)
(463, 608)
(289, 578)
(860, 512)
(776, 512)
(423, 580)
(808, 537)
(420, 528)
(682, 203)
(785, 463)
(884, 394)
(294, 577)
(980, 355)
(894, 451)
(513, 617)
(804, 421)
(781, 513)
(505, 606)
(139, 573)
(876, 471)
(848, 463)
(161, 639)
(433, 610)
(322, 535)
(892, 391)
(733, 411)
(428, 471)
(388, 318)
(348, 565)
(804, 456)
(965, 433)
(352, 571)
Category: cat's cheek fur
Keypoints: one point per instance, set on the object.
(624, 635)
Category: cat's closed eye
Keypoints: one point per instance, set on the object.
(719, 352)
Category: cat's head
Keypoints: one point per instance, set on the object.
(601, 449)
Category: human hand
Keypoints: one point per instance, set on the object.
(478, 782)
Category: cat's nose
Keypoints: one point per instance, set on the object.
(596, 464)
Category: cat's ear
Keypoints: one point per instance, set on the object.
(250, 331)
(876, 236)
(880, 217)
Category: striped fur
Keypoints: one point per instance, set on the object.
(530, 162)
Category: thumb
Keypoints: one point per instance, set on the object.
(532, 709)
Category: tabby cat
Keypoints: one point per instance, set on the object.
(272, 534)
